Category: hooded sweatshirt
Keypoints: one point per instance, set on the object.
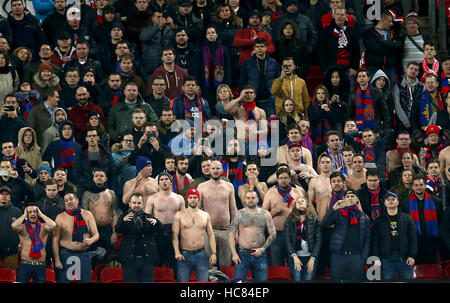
(33, 153)
(52, 133)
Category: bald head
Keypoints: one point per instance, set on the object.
(216, 170)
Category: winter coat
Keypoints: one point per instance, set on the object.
(119, 118)
(381, 53)
(9, 82)
(10, 128)
(52, 133)
(245, 43)
(39, 85)
(78, 115)
(39, 119)
(313, 235)
(31, 155)
(9, 240)
(153, 39)
(26, 32)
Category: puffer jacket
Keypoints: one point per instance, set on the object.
(313, 235)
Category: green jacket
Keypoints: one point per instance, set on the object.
(119, 117)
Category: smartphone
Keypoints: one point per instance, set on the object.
(9, 108)
(151, 135)
(3, 173)
(346, 203)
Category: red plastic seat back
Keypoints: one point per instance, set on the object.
(111, 275)
(163, 274)
(7, 275)
(427, 271)
(279, 273)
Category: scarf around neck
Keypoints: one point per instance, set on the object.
(36, 243)
(433, 183)
(339, 162)
(375, 207)
(434, 70)
(249, 109)
(336, 197)
(429, 153)
(188, 104)
(219, 65)
(429, 213)
(285, 193)
(444, 83)
(79, 225)
(239, 173)
(176, 186)
(425, 108)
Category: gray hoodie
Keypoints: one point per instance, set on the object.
(52, 133)
(377, 75)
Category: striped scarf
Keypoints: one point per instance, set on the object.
(434, 70)
(67, 153)
(375, 207)
(219, 65)
(307, 142)
(429, 213)
(339, 162)
(238, 179)
(336, 197)
(188, 107)
(175, 185)
(79, 225)
(36, 243)
(285, 193)
(365, 113)
(444, 83)
(433, 183)
(350, 211)
(425, 108)
(115, 95)
(300, 227)
(429, 153)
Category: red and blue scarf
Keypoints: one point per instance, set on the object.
(285, 193)
(336, 197)
(425, 108)
(433, 183)
(253, 30)
(249, 109)
(307, 142)
(350, 211)
(188, 106)
(365, 113)
(79, 225)
(375, 207)
(429, 213)
(36, 243)
(369, 154)
(67, 153)
(300, 226)
(238, 173)
(175, 186)
(429, 154)
(339, 162)
(219, 65)
(444, 83)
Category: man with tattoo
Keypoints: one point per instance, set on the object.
(250, 223)
(163, 205)
(189, 229)
(143, 184)
(217, 199)
(278, 201)
(102, 203)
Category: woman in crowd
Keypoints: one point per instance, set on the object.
(404, 186)
(38, 184)
(9, 78)
(28, 149)
(45, 79)
(287, 115)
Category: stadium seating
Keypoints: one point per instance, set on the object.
(427, 271)
(7, 275)
(163, 274)
(279, 273)
(111, 275)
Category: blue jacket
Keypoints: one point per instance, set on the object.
(43, 9)
(250, 74)
(340, 231)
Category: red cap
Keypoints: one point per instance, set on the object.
(192, 191)
(433, 129)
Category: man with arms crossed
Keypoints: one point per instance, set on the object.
(32, 236)
(251, 222)
(188, 238)
(75, 232)
(278, 201)
(163, 205)
(217, 199)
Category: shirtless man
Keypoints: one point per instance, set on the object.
(163, 205)
(250, 223)
(181, 179)
(358, 177)
(319, 187)
(444, 160)
(32, 255)
(247, 110)
(75, 232)
(278, 201)
(217, 199)
(143, 184)
(188, 238)
(252, 173)
(347, 154)
(102, 203)
(294, 136)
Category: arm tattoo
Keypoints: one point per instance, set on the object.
(272, 231)
(235, 224)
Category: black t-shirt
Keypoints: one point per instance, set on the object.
(395, 240)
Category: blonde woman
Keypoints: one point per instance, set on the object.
(224, 96)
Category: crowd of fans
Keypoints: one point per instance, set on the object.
(104, 97)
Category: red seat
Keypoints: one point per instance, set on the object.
(97, 272)
(163, 274)
(50, 276)
(229, 271)
(111, 275)
(193, 277)
(7, 275)
(279, 273)
(314, 77)
(427, 271)
(445, 269)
